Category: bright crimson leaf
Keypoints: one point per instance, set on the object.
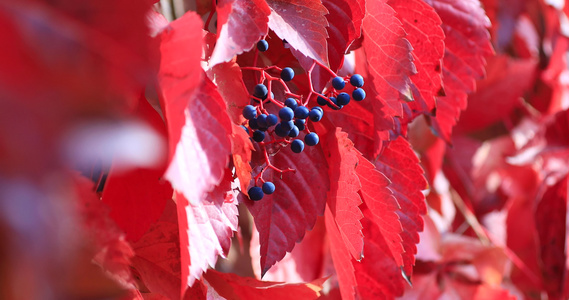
(241, 148)
(283, 217)
(229, 81)
(357, 121)
(467, 43)
(180, 71)
(302, 23)
(240, 24)
(203, 151)
(400, 164)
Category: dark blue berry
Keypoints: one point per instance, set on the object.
(262, 120)
(321, 101)
(359, 94)
(253, 124)
(297, 146)
(311, 139)
(338, 83)
(263, 128)
(280, 131)
(301, 112)
(256, 193)
(315, 115)
(294, 131)
(357, 80)
(291, 102)
(260, 91)
(272, 120)
(262, 45)
(318, 108)
(287, 125)
(287, 74)
(249, 112)
(286, 114)
(258, 136)
(268, 187)
(335, 101)
(299, 123)
(343, 99)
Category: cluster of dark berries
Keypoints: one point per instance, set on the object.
(338, 100)
(256, 193)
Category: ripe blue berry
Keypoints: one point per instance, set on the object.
(272, 120)
(280, 131)
(301, 112)
(359, 94)
(249, 112)
(294, 131)
(262, 45)
(287, 125)
(287, 74)
(318, 108)
(258, 136)
(300, 124)
(335, 101)
(338, 83)
(311, 139)
(286, 114)
(291, 102)
(357, 80)
(315, 115)
(262, 120)
(253, 124)
(297, 146)
(260, 91)
(268, 187)
(321, 101)
(343, 99)
(256, 193)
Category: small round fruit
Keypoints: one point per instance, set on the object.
(311, 139)
(357, 80)
(301, 112)
(335, 101)
(315, 115)
(297, 146)
(287, 125)
(294, 131)
(343, 99)
(321, 101)
(262, 120)
(256, 193)
(318, 108)
(359, 94)
(291, 102)
(260, 91)
(280, 131)
(286, 114)
(249, 112)
(272, 120)
(268, 187)
(338, 83)
(300, 124)
(253, 124)
(262, 45)
(287, 74)
(258, 136)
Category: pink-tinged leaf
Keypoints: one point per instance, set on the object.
(137, 197)
(424, 32)
(233, 287)
(467, 43)
(341, 257)
(180, 71)
(283, 217)
(400, 164)
(383, 209)
(507, 79)
(389, 63)
(229, 81)
(240, 24)
(343, 197)
(345, 19)
(203, 151)
(378, 274)
(241, 151)
(550, 218)
(357, 121)
(210, 226)
(302, 23)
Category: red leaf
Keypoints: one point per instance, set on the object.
(550, 217)
(283, 217)
(203, 151)
(180, 71)
(345, 19)
(137, 197)
(210, 226)
(233, 287)
(424, 32)
(357, 121)
(302, 23)
(467, 42)
(400, 164)
(229, 81)
(383, 209)
(389, 63)
(343, 197)
(341, 258)
(241, 148)
(240, 24)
